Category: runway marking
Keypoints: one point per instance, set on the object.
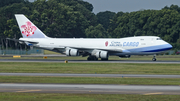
(28, 91)
(153, 93)
(90, 91)
(123, 84)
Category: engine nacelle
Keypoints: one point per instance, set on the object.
(72, 52)
(102, 54)
(125, 56)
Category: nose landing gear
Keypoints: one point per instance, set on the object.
(154, 58)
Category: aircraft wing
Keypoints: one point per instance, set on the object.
(96, 48)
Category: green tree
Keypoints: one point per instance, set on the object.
(56, 18)
(96, 32)
(104, 18)
(9, 2)
(163, 23)
(8, 23)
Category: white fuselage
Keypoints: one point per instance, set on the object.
(143, 45)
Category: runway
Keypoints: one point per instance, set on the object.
(90, 89)
(90, 75)
(85, 61)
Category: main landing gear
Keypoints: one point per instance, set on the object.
(104, 59)
(154, 58)
(92, 58)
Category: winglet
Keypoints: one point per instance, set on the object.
(27, 28)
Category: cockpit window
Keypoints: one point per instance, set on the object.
(158, 39)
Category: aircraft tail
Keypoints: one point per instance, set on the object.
(27, 28)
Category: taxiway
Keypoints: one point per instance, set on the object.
(85, 61)
(90, 88)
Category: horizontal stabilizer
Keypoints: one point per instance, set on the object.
(22, 41)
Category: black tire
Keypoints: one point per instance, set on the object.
(89, 58)
(154, 59)
(92, 58)
(104, 59)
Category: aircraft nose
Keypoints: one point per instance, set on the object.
(169, 46)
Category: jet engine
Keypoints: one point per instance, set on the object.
(102, 54)
(72, 52)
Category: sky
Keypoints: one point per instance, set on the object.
(130, 5)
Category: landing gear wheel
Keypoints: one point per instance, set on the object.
(153, 59)
(92, 58)
(89, 58)
(95, 58)
(104, 59)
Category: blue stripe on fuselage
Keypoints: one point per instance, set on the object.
(158, 48)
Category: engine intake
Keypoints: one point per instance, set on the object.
(102, 54)
(72, 52)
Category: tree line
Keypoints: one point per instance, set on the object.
(74, 18)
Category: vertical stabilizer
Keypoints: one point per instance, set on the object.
(27, 28)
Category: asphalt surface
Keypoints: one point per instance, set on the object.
(90, 75)
(90, 89)
(85, 61)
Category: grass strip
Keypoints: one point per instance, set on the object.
(91, 68)
(84, 97)
(90, 80)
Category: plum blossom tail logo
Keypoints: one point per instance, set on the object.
(28, 29)
(106, 43)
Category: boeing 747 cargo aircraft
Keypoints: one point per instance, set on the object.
(94, 48)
